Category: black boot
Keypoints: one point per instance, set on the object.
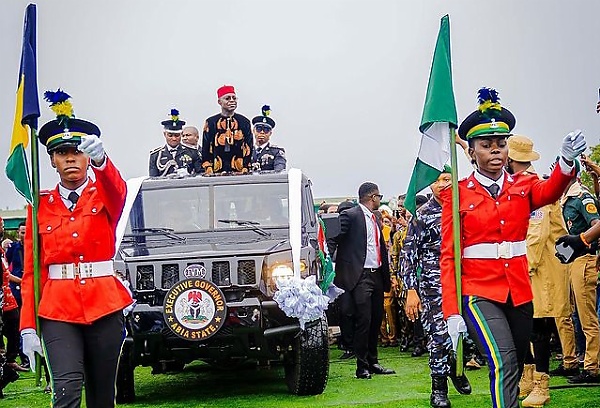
(439, 392)
(461, 383)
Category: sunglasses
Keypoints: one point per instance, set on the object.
(262, 128)
(380, 196)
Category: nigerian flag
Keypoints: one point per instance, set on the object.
(439, 115)
(27, 109)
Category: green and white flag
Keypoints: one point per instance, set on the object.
(439, 115)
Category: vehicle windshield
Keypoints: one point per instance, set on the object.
(205, 208)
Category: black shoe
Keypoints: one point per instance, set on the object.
(461, 384)
(347, 354)
(564, 372)
(379, 369)
(439, 392)
(363, 374)
(585, 377)
(9, 375)
(418, 351)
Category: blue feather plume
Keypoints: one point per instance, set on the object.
(266, 110)
(487, 94)
(56, 97)
(174, 112)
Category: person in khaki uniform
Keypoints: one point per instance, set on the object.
(549, 279)
(580, 213)
(387, 332)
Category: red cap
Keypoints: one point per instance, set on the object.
(224, 90)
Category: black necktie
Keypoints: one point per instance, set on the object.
(494, 189)
(73, 197)
(258, 150)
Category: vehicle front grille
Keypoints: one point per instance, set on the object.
(221, 273)
(246, 272)
(170, 275)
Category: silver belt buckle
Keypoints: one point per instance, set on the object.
(85, 270)
(505, 250)
(64, 271)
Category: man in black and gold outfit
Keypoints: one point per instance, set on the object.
(173, 156)
(227, 141)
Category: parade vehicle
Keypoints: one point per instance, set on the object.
(202, 255)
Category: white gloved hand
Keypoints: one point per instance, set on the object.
(573, 145)
(182, 172)
(31, 345)
(93, 147)
(456, 326)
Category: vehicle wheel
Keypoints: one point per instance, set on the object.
(125, 379)
(307, 366)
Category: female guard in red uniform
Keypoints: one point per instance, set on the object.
(494, 211)
(81, 300)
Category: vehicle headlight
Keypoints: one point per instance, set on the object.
(282, 272)
(279, 269)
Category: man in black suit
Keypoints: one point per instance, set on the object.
(362, 270)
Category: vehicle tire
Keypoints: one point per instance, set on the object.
(125, 379)
(307, 365)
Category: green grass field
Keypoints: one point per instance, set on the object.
(202, 386)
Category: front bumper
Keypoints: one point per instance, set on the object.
(253, 329)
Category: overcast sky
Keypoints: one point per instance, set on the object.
(345, 79)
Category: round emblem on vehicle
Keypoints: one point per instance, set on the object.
(194, 309)
(195, 271)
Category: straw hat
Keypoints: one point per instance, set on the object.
(520, 149)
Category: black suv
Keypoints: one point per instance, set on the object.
(202, 254)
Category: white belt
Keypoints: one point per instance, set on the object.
(81, 270)
(496, 250)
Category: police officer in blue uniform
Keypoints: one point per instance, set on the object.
(266, 156)
(422, 254)
(171, 157)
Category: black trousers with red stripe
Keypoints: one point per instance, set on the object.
(80, 353)
(502, 332)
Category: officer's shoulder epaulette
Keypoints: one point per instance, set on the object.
(156, 150)
(45, 192)
(586, 197)
(277, 147)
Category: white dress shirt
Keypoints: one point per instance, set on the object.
(372, 258)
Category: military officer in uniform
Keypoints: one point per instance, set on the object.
(266, 155)
(580, 213)
(421, 252)
(579, 243)
(81, 300)
(494, 210)
(173, 157)
(227, 141)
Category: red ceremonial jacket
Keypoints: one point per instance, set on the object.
(484, 219)
(85, 235)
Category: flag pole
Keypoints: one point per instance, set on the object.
(456, 237)
(35, 185)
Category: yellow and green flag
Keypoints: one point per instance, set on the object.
(27, 109)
